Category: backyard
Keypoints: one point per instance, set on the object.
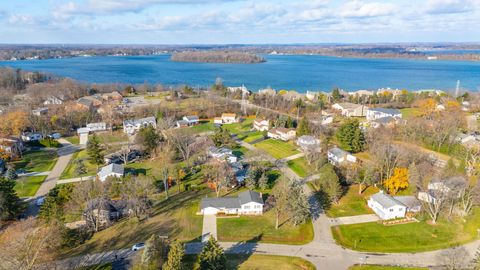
(28, 186)
(241, 127)
(37, 161)
(415, 237)
(262, 229)
(278, 149)
(300, 167)
(69, 171)
(352, 203)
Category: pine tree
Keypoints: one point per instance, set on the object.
(175, 256)
(149, 138)
(95, 150)
(303, 127)
(212, 256)
(336, 95)
(80, 167)
(152, 256)
(299, 206)
(351, 136)
(11, 174)
(10, 204)
(263, 181)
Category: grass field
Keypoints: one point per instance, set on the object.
(409, 112)
(257, 262)
(352, 203)
(262, 229)
(73, 139)
(237, 128)
(174, 217)
(204, 126)
(278, 149)
(37, 161)
(383, 267)
(300, 167)
(28, 186)
(112, 137)
(69, 171)
(412, 237)
(251, 136)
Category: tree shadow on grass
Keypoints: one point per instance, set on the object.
(242, 250)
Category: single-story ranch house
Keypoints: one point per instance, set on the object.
(377, 113)
(247, 203)
(111, 170)
(226, 118)
(337, 156)
(391, 207)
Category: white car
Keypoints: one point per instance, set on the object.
(138, 246)
(40, 201)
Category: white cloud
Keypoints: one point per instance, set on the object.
(21, 19)
(450, 6)
(359, 9)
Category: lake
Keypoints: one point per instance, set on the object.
(291, 72)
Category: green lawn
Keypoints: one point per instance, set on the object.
(262, 229)
(251, 136)
(237, 128)
(203, 127)
(28, 186)
(278, 149)
(300, 167)
(37, 161)
(73, 139)
(412, 237)
(69, 171)
(409, 112)
(383, 267)
(174, 217)
(352, 203)
(112, 137)
(258, 261)
(104, 266)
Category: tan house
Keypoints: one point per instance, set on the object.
(350, 109)
(284, 134)
(226, 118)
(261, 124)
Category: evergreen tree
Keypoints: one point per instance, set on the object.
(149, 138)
(11, 174)
(175, 256)
(351, 137)
(303, 127)
(153, 253)
(299, 206)
(329, 182)
(263, 181)
(80, 167)
(10, 204)
(336, 95)
(212, 256)
(289, 123)
(95, 150)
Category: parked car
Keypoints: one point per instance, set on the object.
(55, 135)
(138, 246)
(40, 201)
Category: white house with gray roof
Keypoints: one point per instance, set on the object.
(247, 203)
(337, 156)
(309, 143)
(111, 170)
(132, 126)
(391, 207)
(377, 113)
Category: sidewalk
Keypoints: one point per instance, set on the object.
(209, 227)
(354, 219)
(77, 179)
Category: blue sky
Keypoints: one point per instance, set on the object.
(238, 21)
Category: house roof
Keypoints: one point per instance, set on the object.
(191, 118)
(451, 182)
(408, 201)
(83, 130)
(385, 200)
(338, 152)
(141, 121)
(85, 101)
(308, 140)
(386, 111)
(229, 115)
(232, 202)
(349, 106)
(250, 196)
(109, 169)
(384, 120)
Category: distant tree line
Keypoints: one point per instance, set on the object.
(217, 57)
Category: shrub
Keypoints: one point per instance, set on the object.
(49, 142)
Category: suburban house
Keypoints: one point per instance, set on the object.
(40, 111)
(309, 143)
(111, 170)
(104, 212)
(83, 135)
(267, 91)
(53, 100)
(222, 153)
(182, 123)
(100, 126)
(89, 102)
(284, 134)
(31, 137)
(387, 121)
(188, 121)
(377, 113)
(442, 186)
(326, 119)
(261, 124)
(132, 126)
(242, 89)
(226, 118)
(337, 156)
(247, 203)
(13, 146)
(391, 207)
(350, 109)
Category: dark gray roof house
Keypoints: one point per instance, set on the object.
(248, 202)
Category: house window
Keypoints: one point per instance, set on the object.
(246, 207)
(391, 210)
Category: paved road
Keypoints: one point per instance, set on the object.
(354, 219)
(65, 154)
(209, 228)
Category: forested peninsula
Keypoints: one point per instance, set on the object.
(230, 57)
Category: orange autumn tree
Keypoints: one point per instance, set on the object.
(13, 123)
(398, 181)
(426, 106)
